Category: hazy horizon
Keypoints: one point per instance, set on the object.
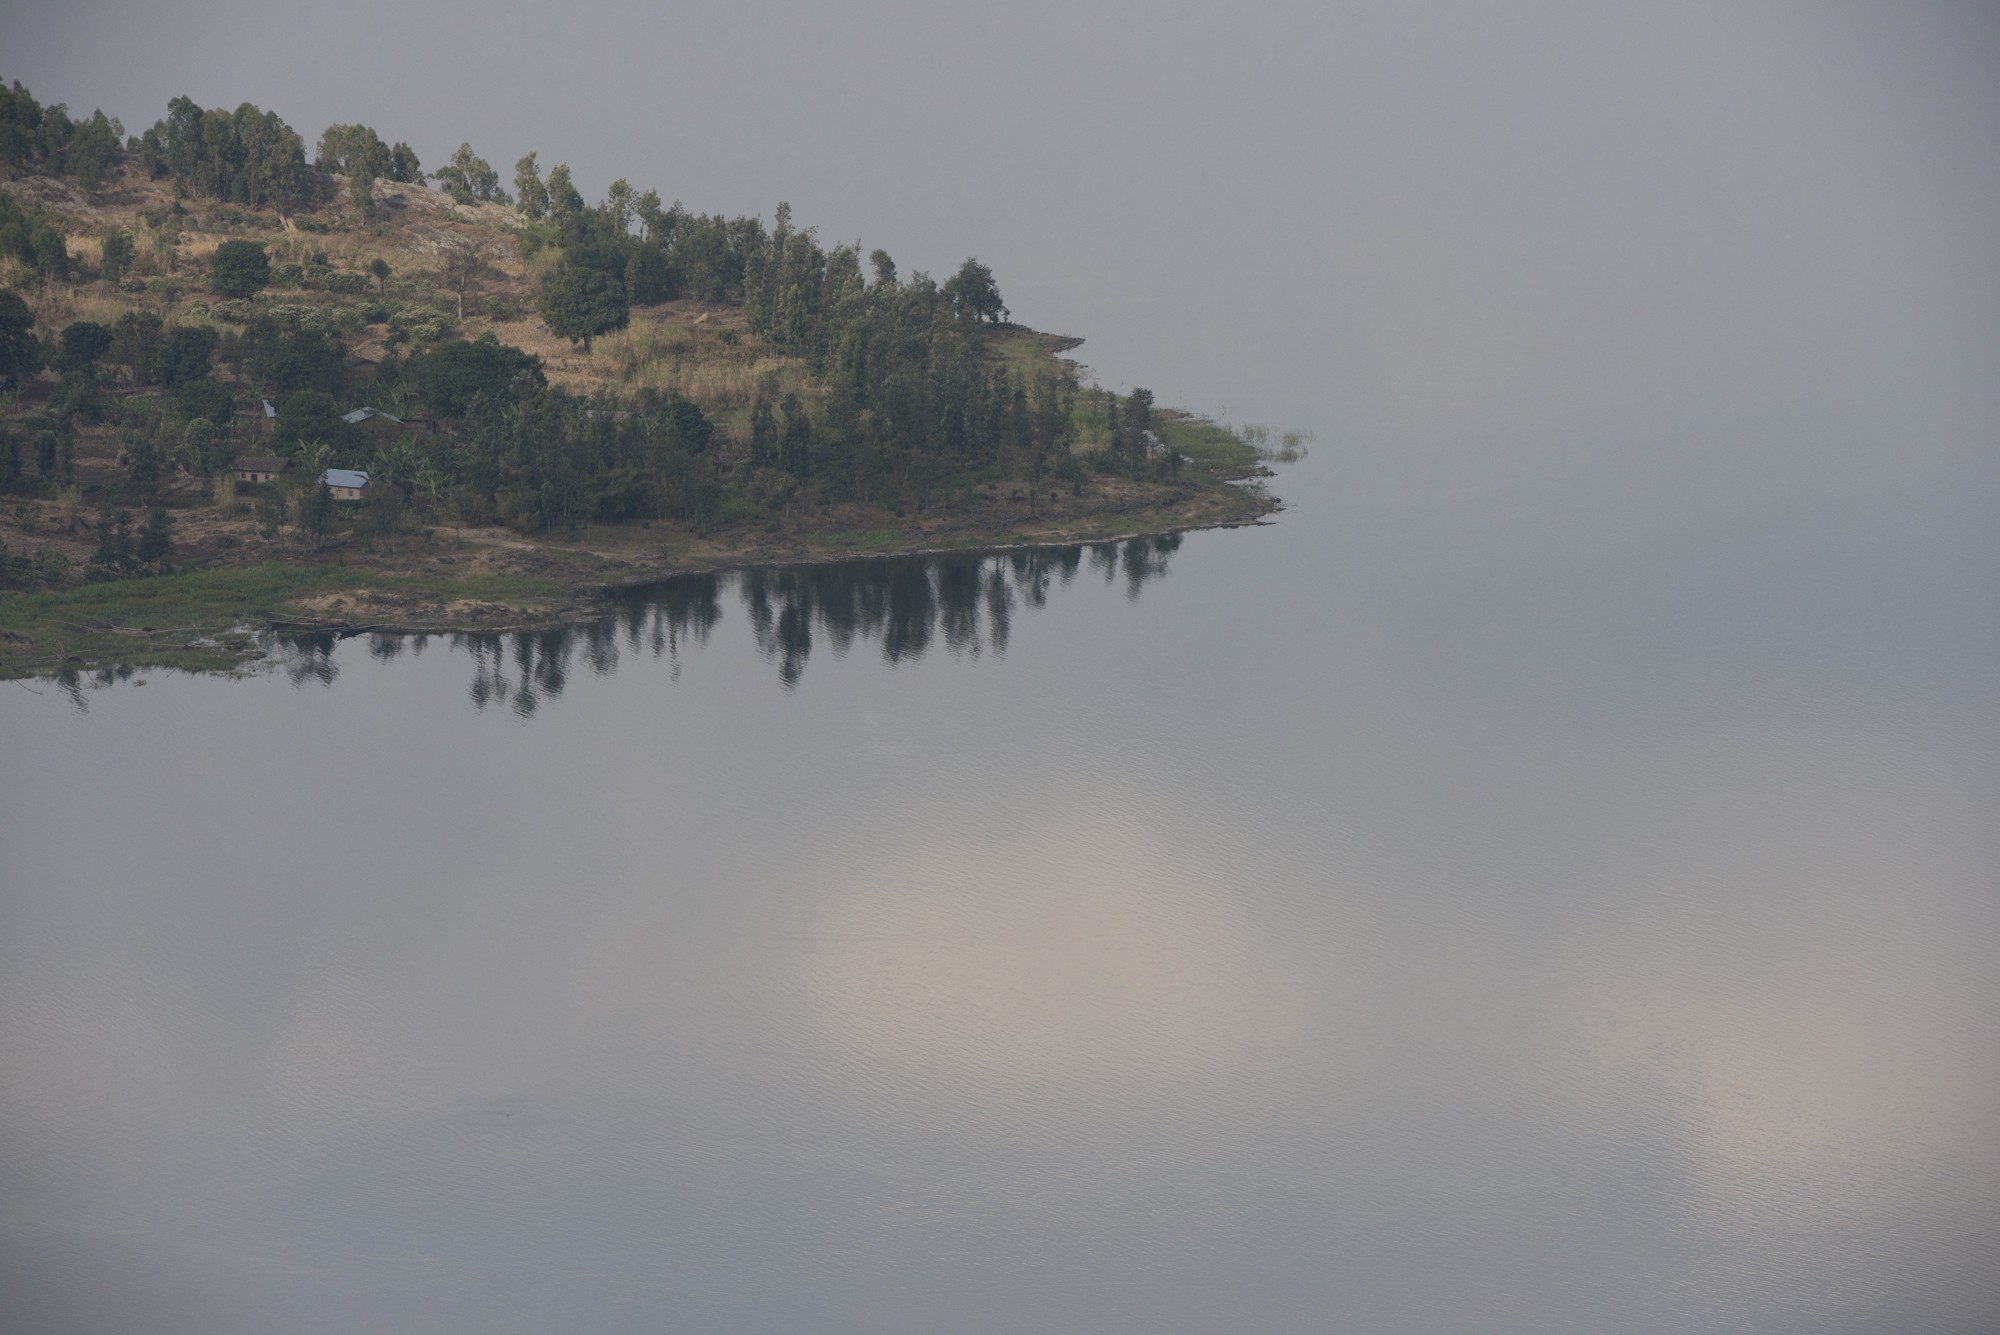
(1484, 216)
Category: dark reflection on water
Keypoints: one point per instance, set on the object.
(905, 604)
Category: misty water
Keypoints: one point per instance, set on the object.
(1557, 903)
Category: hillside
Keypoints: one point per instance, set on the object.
(727, 392)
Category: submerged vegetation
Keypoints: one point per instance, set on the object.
(540, 387)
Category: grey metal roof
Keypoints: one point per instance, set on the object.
(344, 477)
(360, 415)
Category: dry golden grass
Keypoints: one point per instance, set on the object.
(196, 246)
(706, 353)
(644, 345)
(56, 307)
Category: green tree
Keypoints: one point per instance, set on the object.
(143, 467)
(135, 344)
(763, 429)
(618, 206)
(361, 187)
(655, 223)
(201, 446)
(84, 343)
(184, 354)
(451, 376)
(468, 178)
(379, 267)
(310, 417)
(20, 353)
(240, 268)
(57, 132)
(795, 445)
(28, 236)
(973, 293)
(1138, 427)
(156, 539)
(578, 302)
(566, 205)
(249, 156)
(315, 507)
(403, 165)
(93, 148)
(205, 396)
(20, 125)
(117, 256)
(80, 396)
(344, 147)
(531, 195)
(300, 359)
(115, 554)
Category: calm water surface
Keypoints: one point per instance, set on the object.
(1509, 894)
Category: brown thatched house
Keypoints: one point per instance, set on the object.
(260, 468)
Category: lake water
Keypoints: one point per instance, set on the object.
(1516, 891)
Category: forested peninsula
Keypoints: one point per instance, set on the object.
(245, 383)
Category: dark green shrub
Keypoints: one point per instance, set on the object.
(184, 354)
(240, 268)
(84, 344)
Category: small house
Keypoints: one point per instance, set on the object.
(259, 468)
(375, 422)
(346, 484)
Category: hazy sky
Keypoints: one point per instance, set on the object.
(1436, 214)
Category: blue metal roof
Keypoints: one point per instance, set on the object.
(344, 477)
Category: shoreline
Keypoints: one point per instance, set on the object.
(216, 620)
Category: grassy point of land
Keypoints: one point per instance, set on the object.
(758, 399)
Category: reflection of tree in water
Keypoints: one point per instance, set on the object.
(311, 659)
(527, 667)
(904, 604)
(73, 682)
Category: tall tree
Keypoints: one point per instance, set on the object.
(618, 206)
(465, 264)
(973, 293)
(469, 178)
(20, 354)
(93, 148)
(579, 302)
(1138, 427)
(566, 206)
(361, 186)
(116, 256)
(403, 165)
(135, 344)
(532, 197)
